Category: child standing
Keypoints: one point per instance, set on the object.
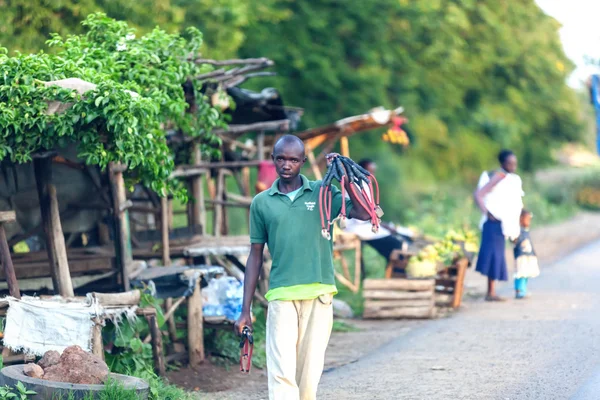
(526, 260)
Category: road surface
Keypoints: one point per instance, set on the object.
(545, 347)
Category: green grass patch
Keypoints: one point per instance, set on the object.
(341, 326)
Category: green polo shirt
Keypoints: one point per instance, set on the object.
(292, 232)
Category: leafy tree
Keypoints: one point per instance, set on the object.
(468, 85)
(473, 75)
(108, 123)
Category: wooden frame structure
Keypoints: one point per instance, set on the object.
(208, 182)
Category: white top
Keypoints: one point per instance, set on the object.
(292, 195)
(505, 202)
(363, 229)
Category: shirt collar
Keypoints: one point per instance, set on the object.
(275, 186)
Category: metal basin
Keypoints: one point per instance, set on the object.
(46, 390)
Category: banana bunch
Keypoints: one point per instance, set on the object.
(466, 236)
(429, 253)
(447, 251)
(424, 264)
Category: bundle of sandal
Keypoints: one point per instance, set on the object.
(246, 348)
(344, 170)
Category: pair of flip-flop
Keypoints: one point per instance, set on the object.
(494, 298)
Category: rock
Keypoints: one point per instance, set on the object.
(342, 309)
(78, 366)
(51, 358)
(33, 370)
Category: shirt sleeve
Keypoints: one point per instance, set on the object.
(258, 229)
(336, 202)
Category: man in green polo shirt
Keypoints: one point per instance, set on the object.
(301, 287)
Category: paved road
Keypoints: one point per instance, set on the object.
(546, 347)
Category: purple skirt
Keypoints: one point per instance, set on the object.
(491, 261)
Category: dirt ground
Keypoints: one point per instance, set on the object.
(216, 382)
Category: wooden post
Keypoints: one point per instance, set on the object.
(314, 166)
(157, 346)
(461, 265)
(246, 187)
(121, 219)
(357, 263)
(260, 145)
(219, 208)
(55, 240)
(9, 269)
(170, 213)
(97, 345)
(195, 327)
(164, 229)
(197, 203)
(166, 258)
(344, 147)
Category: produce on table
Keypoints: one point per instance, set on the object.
(436, 256)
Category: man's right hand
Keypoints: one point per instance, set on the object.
(244, 320)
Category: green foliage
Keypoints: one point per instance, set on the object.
(108, 123)
(226, 343)
(27, 24)
(468, 86)
(341, 326)
(159, 390)
(18, 392)
(130, 355)
(114, 390)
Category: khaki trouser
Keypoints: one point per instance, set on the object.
(297, 337)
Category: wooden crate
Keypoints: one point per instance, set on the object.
(399, 298)
(450, 284)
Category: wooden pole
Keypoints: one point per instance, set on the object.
(195, 327)
(170, 311)
(166, 259)
(344, 146)
(9, 269)
(218, 224)
(170, 213)
(121, 219)
(197, 203)
(97, 345)
(164, 229)
(357, 263)
(131, 298)
(461, 266)
(157, 345)
(55, 240)
(314, 166)
(261, 146)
